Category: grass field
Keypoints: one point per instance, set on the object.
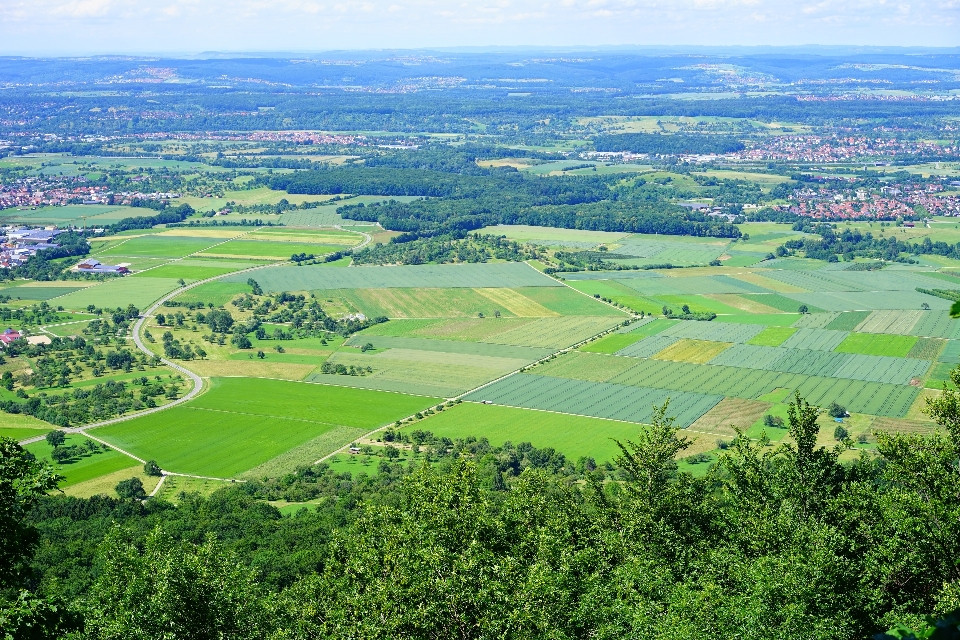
(27, 292)
(264, 250)
(157, 246)
(696, 351)
(874, 344)
(574, 436)
(242, 423)
(119, 292)
(612, 343)
(87, 467)
(772, 336)
(219, 293)
(188, 272)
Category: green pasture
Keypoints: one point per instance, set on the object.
(189, 273)
(89, 215)
(568, 302)
(876, 344)
(260, 249)
(572, 435)
(772, 336)
(219, 293)
(652, 328)
(848, 321)
(241, 423)
(612, 343)
(119, 292)
(783, 303)
(86, 467)
(27, 292)
(151, 246)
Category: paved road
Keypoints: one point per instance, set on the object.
(194, 378)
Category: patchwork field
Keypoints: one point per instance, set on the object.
(504, 333)
(430, 276)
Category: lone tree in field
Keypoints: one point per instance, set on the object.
(151, 468)
(56, 438)
(803, 309)
(836, 411)
(131, 489)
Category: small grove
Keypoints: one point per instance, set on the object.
(510, 542)
(56, 387)
(303, 317)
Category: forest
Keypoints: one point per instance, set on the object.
(776, 541)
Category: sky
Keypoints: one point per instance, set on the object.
(78, 27)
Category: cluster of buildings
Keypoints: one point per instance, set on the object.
(841, 149)
(44, 192)
(890, 202)
(18, 244)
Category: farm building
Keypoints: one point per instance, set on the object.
(95, 266)
(9, 336)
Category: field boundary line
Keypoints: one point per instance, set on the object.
(482, 386)
(631, 313)
(172, 260)
(156, 489)
(263, 415)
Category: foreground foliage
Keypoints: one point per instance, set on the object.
(775, 542)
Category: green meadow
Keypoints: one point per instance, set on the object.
(241, 423)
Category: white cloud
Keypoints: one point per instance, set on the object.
(126, 25)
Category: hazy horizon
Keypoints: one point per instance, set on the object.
(183, 27)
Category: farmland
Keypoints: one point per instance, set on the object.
(242, 423)
(502, 333)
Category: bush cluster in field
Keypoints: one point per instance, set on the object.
(304, 317)
(36, 314)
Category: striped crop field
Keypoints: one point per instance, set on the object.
(696, 351)
(579, 365)
(596, 399)
(951, 352)
(927, 348)
(849, 320)
(857, 395)
(782, 302)
(648, 346)
(481, 275)
(936, 324)
(449, 346)
(869, 300)
(896, 321)
(815, 320)
(766, 319)
(713, 331)
(555, 332)
(612, 343)
(877, 344)
(824, 363)
(818, 339)
(772, 336)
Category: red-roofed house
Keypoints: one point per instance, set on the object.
(9, 336)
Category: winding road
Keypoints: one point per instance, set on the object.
(194, 378)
